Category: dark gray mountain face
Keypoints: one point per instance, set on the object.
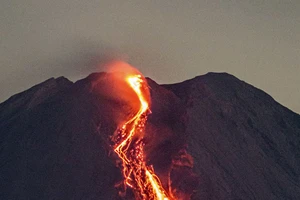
(245, 145)
(214, 136)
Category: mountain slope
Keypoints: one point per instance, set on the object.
(245, 145)
(54, 140)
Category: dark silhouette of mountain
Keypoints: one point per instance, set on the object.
(245, 145)
(214, 136)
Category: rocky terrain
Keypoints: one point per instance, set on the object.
(215, 136)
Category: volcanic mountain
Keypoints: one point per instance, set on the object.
(211, 137)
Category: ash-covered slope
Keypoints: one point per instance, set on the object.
(54, 140)
(245, 145)
(52, 149)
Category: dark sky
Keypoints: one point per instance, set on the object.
(168, 40)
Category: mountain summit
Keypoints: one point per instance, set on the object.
(214, 136)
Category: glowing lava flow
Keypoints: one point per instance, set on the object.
(129, 147)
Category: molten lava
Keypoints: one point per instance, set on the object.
(129, 146)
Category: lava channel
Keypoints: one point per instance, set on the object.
(129, 146)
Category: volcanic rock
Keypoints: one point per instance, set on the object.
(245, 145)
(214, 137)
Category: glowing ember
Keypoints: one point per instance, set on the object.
(129, 147)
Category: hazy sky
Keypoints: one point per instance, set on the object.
(168, 40)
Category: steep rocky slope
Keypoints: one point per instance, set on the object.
(245, 145)
(54, 140)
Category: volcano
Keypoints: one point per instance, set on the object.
(212, 137)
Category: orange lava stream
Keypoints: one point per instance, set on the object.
(129, 147)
